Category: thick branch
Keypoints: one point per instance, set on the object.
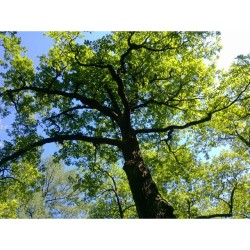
(113, 100)
(173, 127)
(60, 138)
(121, 91)
(235, 100)
(232, 200)
(114, 76)
(125, 54)
(92, 103)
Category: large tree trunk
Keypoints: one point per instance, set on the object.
(148, 201)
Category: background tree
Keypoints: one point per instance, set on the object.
(113, 198)
(228, 178)
(16, 182)
(125, 94)
(53, 195)
(55, 192)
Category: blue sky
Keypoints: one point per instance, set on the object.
(234, 43)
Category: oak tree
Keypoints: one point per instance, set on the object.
(123, 95)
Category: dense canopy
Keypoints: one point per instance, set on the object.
(147, 123)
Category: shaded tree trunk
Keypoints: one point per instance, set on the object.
(149, 203)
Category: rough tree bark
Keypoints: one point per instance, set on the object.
(149, 203)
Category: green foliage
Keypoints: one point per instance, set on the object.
(16, 183)
(53, 195)
(181, 108)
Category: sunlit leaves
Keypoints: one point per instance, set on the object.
(156, 79)
(16, 182)
(52, 195)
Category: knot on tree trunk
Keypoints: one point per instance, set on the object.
(163, 209)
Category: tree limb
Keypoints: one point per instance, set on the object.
(116, 195)
(214, 216)
(121, 91)
(128, 207)
(192, 123)
(59, 138)
(113, 100)
(114, 76)
(66, 113)
(242, 139)
(164, 48)
(164, 103)
(92, 103)
(173, 127)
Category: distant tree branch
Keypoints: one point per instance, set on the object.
(115, 191)
(214, 216)
(247, 216)
(219, 198)
(229, 204)
(232, 200)
(128, 207)
(125, 54)
(234, 101)
(170, 150)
